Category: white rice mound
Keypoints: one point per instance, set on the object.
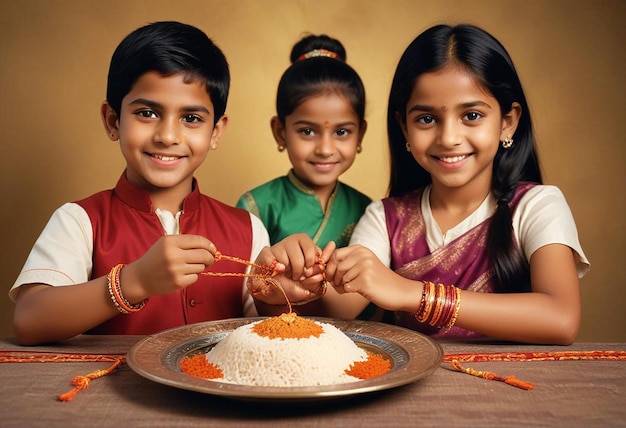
(249, 359)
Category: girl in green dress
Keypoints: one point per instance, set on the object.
(320, 124)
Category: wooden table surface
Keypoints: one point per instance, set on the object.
(572, 393)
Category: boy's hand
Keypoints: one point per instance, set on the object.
(173, 262)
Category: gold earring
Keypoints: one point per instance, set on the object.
(507, 143)
(408, 147)
(359, 149)
(281, 148)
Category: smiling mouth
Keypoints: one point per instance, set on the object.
(164, 158)
(452, 159)
(324, 166)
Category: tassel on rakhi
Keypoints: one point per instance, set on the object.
(82, 382)
(511, 380)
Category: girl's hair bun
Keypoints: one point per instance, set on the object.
(312, 46)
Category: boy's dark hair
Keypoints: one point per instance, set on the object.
(310, 77)
(484, 57)
(168, 48)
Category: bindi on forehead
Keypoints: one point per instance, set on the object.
(444, 108)
(327, 124)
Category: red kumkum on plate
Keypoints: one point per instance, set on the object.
(413, 356)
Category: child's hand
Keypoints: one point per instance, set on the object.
(301, 273)
(173, 262)
(356, 269)
(299, 254)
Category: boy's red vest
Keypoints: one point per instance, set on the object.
(125, 226)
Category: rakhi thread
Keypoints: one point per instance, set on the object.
(82, 382)
(456, 359)
(537, 356)
(266, 274)
(510, 380)
(79, 382)
(266, 271)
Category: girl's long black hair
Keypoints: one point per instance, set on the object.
(479, 53)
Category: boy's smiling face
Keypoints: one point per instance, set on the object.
(165, 130)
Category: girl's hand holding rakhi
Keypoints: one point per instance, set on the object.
(261, 283)
(300, 271)
(356, 269)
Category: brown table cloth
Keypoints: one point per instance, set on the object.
(570, 393)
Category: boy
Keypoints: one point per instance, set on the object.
(140, 248)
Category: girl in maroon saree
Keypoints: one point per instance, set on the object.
(470, 242)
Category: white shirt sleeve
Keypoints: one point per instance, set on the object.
(260, 239)
(543, 217)
(62, 253)
(371, 232)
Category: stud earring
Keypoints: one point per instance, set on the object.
(359, 149)
(281, 148)
(408, 147)
(507, 143)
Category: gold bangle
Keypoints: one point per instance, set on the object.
(457, 306)
(440, 304)
(420, 308)
(428, 304)
(447, 308)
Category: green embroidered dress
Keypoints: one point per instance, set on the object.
(287, 206)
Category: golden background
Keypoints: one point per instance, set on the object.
(54, 61)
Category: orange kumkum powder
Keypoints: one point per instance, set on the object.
(198, 366)
(375, 365)
(288, 326)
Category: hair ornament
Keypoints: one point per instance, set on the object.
(319, 52)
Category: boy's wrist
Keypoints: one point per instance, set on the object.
(131, 286)
(117, 296)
